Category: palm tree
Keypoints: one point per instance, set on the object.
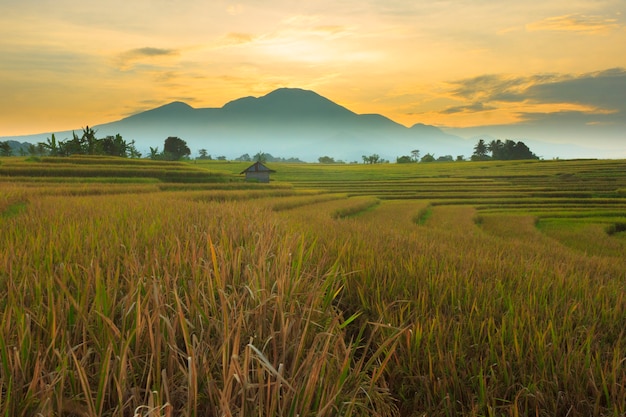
(260, 157)
(51, 145)
(89, 140)
(480, 150)
(495, 147)
(154, 152)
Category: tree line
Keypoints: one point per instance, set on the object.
(429, 157)
(175, 149)
(501, 151)
(85, 144)
(494, 150)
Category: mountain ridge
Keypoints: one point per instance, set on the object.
(289, 122)
(294, 122)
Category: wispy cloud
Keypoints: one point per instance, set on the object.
(575, 22)
(130, 58)
(604, 91)
(470, 108)
(149, 51)
(541, 95)
(237, 38)
(487, 86)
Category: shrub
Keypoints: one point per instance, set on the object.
(615, 228)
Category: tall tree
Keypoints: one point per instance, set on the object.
(480, 151)
(5, 148)
(204, 154)
(74, 146)
(132, 150)
(89, 141)
(371, 159)
(114, 146)
(175, 148)
(496, 147)
(260, 157)
(154, 153)
(51, 145)
(521, 151)
(428, 158)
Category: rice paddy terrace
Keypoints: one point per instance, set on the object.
(133, 287)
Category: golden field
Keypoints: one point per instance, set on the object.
(441, 289)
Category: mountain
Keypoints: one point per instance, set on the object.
(287, 104)
(287, 122)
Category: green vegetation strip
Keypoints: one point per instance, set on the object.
(355, 206)
(14, 209)
(423, 215)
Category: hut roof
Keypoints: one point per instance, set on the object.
(257, 167)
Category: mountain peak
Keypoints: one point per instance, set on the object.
(288, 102)
(178, 104)
(286, 92)
(175, 105)
(173, 109)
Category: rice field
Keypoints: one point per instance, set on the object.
(141, 288)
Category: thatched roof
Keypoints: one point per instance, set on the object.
(257, 167)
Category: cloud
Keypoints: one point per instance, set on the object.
(604, 90)
(30, 62)
(130, 58)
(487, 86)
(596, 97)
(498, 87)
(149, 51)
(237, 38)
(575, 22)
(470, 108)
(567, 118)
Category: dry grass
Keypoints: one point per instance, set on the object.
(502, 320)
(149, 304)
(128, 299)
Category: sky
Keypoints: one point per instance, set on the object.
(449, 63)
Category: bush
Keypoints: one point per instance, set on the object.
(615, 228)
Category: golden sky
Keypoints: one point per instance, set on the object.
(451, 63)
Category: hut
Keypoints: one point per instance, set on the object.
(257, 172)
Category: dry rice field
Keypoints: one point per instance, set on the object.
(140, 288)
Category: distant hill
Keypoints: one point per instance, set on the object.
(287, 122)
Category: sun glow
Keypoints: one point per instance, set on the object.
(400, 59)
